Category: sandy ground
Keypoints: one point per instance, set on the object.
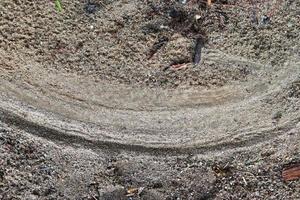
(104, 101)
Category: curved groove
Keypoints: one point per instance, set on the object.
(74, 140)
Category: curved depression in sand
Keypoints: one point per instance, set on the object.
(140, 118)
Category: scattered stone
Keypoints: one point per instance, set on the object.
(277, 115)
(91, 8)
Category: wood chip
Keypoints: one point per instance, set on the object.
(132, 192)
(292, 173)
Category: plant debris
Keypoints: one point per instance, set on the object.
(291, 173)
(58, 5)
(132, 191)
